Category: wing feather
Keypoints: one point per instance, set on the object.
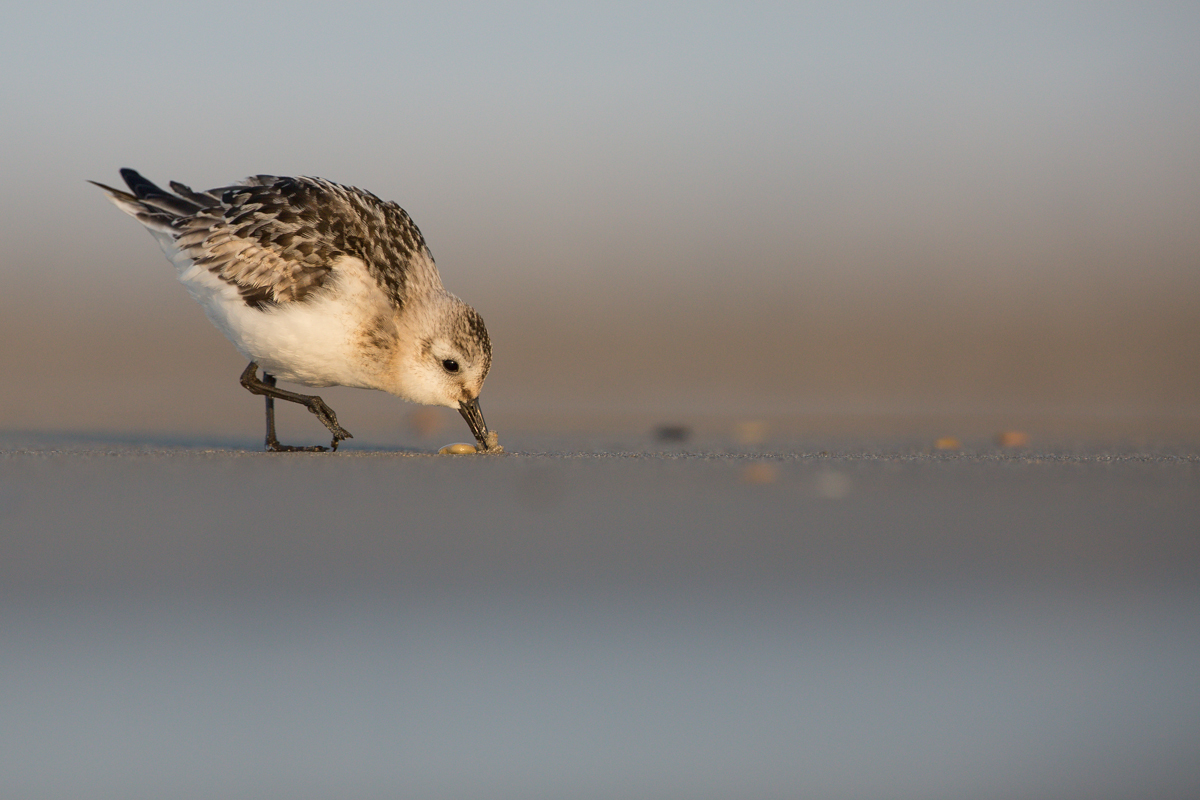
(278, 240)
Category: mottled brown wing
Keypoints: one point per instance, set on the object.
(278, 239)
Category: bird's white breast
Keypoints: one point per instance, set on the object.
(315, 342)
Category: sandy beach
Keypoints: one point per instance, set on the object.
(581, 617)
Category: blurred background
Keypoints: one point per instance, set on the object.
(812, 235)
(687, 208)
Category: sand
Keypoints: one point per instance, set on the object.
(599, 615)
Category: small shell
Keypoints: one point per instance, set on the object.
(750, 432)
(458, 449)
(1012, 439)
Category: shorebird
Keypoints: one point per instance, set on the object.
(319, 284)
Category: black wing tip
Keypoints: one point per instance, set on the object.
(154, 196)
(139, 184)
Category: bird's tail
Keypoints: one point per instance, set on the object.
(155, 207)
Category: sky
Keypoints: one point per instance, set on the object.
(628, 176)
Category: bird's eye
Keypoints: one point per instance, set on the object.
(450, 365)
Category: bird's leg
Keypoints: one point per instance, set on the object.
(313, 403)
(272, 442)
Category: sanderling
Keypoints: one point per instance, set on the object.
(323, 285)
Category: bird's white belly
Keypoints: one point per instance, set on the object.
(317, 342)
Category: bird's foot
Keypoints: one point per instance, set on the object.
(275, 447)
(329, 419)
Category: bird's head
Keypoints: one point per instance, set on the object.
(449, 358)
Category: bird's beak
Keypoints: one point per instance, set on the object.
(474, 416)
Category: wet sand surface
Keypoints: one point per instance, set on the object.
(617, 615)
